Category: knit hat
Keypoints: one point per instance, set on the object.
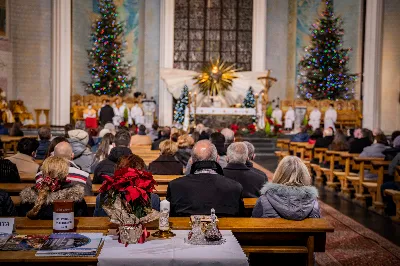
(80, 135)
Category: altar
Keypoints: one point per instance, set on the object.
(220, 117)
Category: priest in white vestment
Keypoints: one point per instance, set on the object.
(117, 119)
(149, 108)
(289, 119)
(277, 116)
(330, 118)
(137, 114)
(315, 118)
(260, 114)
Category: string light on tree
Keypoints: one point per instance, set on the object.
(180, 107)
(109, 73)
(250, 102)
(323, 71)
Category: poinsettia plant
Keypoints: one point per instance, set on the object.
(133, 187)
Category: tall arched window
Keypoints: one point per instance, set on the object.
(211, 29)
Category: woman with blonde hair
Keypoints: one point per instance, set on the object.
(185, 145)
(166, 163)
(290, 194)
(37, 201)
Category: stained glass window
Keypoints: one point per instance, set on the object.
(211, 29)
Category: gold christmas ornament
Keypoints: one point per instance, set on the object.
(216, 78)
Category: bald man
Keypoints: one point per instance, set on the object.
(75, 174)
(205, 187)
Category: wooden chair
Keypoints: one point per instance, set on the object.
(365, 163)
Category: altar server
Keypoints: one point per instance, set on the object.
(289, 119)
(315, 118)
(277, 115)
(137, 114)
(330, 117)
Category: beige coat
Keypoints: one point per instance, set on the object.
(140, 140)
(25, 164)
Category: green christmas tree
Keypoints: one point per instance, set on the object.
(249, 101)
(109, 73)
(180, 107)
(323, 72)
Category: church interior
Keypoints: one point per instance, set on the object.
(200, 132)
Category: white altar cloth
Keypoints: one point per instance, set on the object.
(173, 252)
(224, 111)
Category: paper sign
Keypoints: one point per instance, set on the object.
(6, 225)
(63, 221)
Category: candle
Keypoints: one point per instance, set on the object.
(165, 205)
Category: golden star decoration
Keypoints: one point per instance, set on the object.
(216, 78)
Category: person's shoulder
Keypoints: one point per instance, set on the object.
(229, 183)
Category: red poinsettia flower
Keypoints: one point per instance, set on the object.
(131, 184)
(234, 128)
(251, 128)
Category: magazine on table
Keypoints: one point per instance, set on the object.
(22, 242)
(71, 244)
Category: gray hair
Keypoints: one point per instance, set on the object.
(229, 135)
(80, 125)
(204, 150)
(291, 171)
(237, 153)
(250, 149)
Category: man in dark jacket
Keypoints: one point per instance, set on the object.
(249, 162)
(7, 207)
(165, 134)
(8, 172)
(107, 166)
(237, 170)
(44, 136)
(326, 140)
(205, 187)
(364, 140)
(106, 113)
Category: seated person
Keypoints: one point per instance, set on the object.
(326, 140)
(237, 170)
(205, 187)
(302, 136)
(290, 195)
(390, 205)
(37, 201)
(8, 172)
(165, 134)
(166, 163)
(131, 161)
(391, 152)
(339, 142)
(104, 148)
(362, 139)
(141, 138)
(15, 130)
(53, 144)
(24, 158)
(83, 155)
(249, 162)
(185, 145)
(3, 129)
(44, 136)
(377, 148)
(75, 173)
(120, 148)
(317, 134)
(7, 207)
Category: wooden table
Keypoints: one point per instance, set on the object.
(274, 235)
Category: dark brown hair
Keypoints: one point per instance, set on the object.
(131, 161)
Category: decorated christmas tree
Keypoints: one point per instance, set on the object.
(249, 101)
(109, 73)
(323, 72)
(183, 101)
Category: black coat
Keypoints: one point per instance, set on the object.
(106, 114)
(157, 142)
(249, 165)
(183, 155)
(323, 142)
(199, 193)
(250, 181)
(8, 172)
(166, 165)
(358, 145)
(7, 207)
(107, 166)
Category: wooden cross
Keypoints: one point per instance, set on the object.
(267, 81)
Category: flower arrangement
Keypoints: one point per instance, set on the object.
(128, 202)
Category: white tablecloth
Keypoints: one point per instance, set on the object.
(173, 252)
(224, 111)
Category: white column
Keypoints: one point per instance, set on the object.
(166, 59)
(259, 47)
(61, 63)
(372, 64)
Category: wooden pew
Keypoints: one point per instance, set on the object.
(331, 157)
(319, 153)
(374, 188)
(395, 194)
(365, 163)
(345, 189)
(274, 235)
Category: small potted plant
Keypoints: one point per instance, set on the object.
(127, 201)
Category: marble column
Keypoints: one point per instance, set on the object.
(166, 59)
(372, 64)
(259, 47)
(61, 63)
